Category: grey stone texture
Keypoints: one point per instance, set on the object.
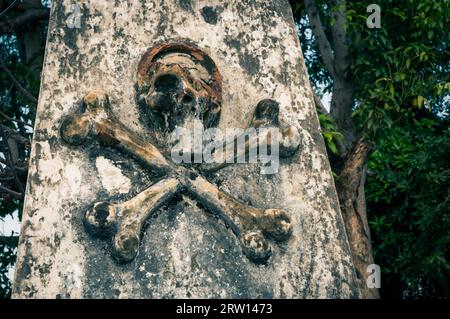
(185, 251)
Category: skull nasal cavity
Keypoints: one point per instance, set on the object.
(167, 83)
(187, 99)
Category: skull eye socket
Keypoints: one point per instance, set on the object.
(187, 99)
(167, 83)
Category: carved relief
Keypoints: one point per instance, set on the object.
(177, 84)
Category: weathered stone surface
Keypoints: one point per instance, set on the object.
(185, 251)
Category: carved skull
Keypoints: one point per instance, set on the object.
(178, 84)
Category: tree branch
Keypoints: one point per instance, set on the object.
(19, 86)
(8, 7)
(14, 194)
(10, 160)
(23, 169)
(317, 28)
(14, 135)
(6, 117)
(23, 5)
(339, 34)
(28, 17)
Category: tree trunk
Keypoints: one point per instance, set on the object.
(341, 112)
(350, 188)
(30, 37)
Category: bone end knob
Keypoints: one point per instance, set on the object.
(100, 219)
(277, 224)
(76, 129)
(96, 100)
(255, 247)
(289, 141)
(126, 246)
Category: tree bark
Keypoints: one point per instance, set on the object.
(350, 188)
(19, 86)
(341, 112)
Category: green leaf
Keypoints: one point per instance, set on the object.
(419, 101)
(391, 89)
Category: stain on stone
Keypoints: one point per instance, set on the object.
(210, 15)
(216, 262)
(118, 34)
(193, 175)
(44, 269)
(116, 292)
(233, 43)
(284, 75)
(249, 63)
(54, 144)
(186, 5)
(23, 270)
(246, 60)
(283, 8)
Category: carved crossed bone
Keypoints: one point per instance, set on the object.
(124, 221)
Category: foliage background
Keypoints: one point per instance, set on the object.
(400, 75)
(401, 78)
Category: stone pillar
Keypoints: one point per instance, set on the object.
(108, 214)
